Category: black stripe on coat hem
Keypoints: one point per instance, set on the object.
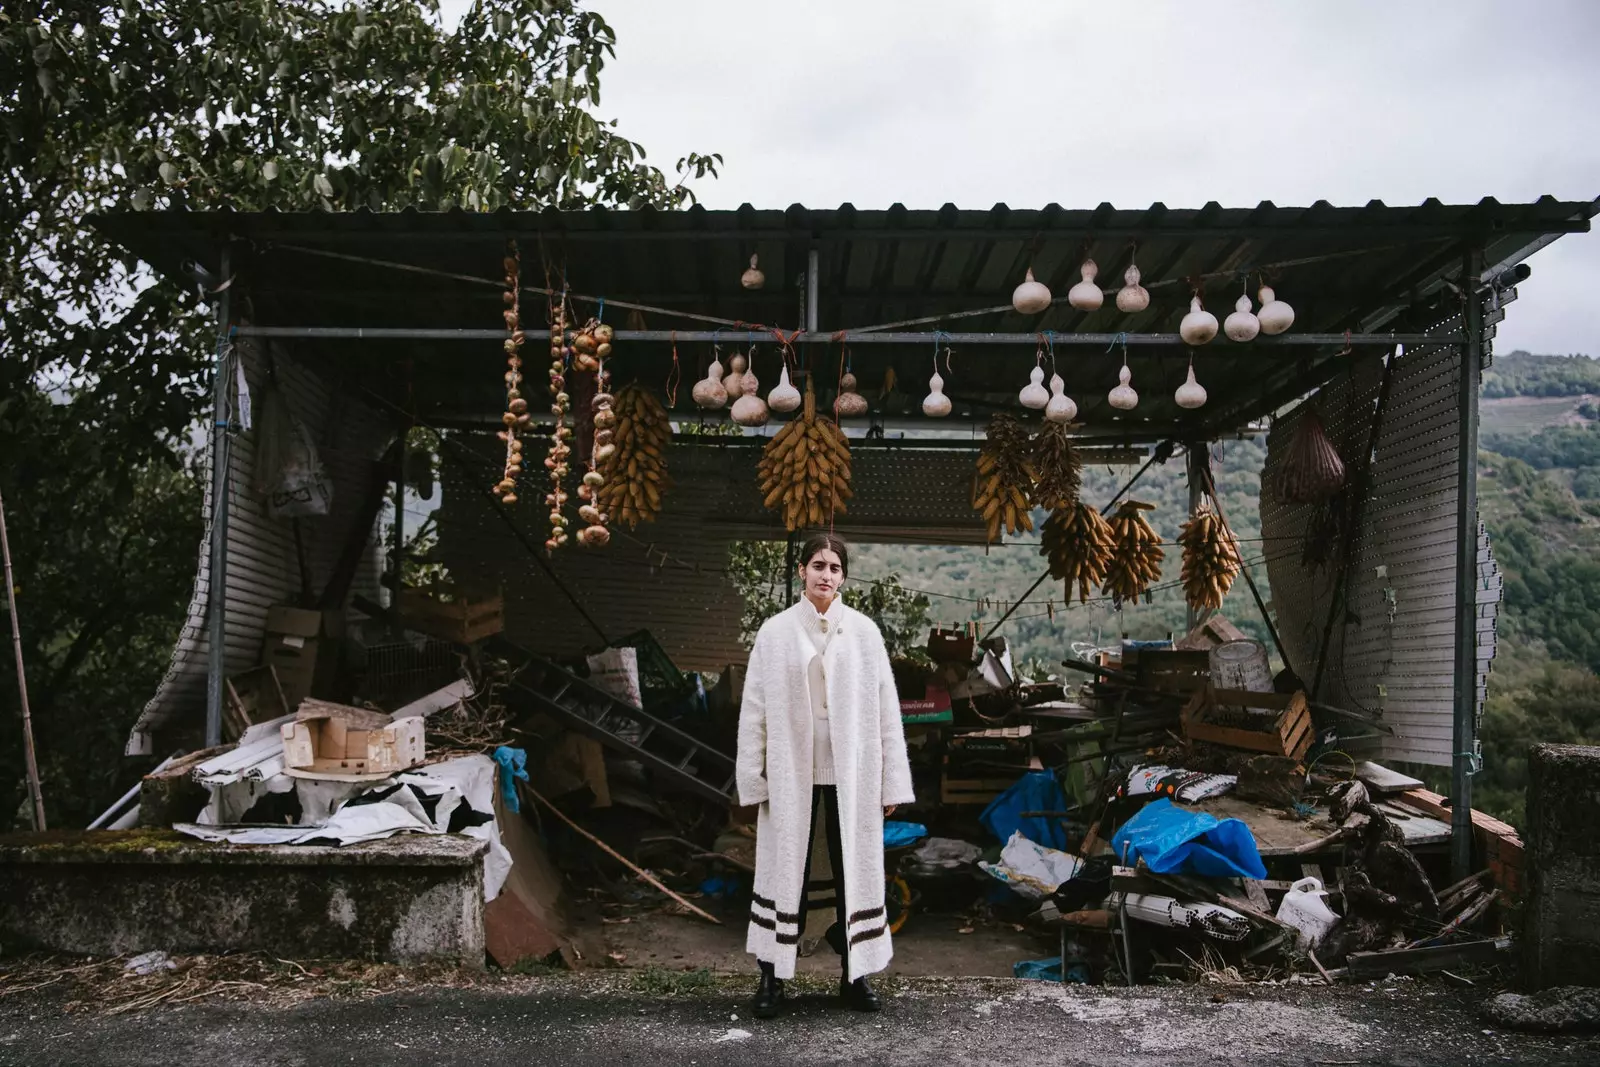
(863, 916)
(868, 935)
(757, 898)
(763, 922)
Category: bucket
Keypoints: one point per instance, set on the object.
(1242, 665)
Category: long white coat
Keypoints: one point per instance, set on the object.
(774, 770)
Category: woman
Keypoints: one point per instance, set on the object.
(820, 746)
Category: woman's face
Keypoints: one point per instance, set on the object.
(823, 575)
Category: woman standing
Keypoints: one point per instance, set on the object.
(823, 752)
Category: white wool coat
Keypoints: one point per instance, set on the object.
(774, 770)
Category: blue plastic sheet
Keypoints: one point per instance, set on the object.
(512, 762)
(1174, 840)
(1049, 970)
(896, 834)
(1034, 791)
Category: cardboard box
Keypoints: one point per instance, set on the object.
(302, 648)
(934, 708)
(340, 740)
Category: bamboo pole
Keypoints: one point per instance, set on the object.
(34, 792)
(614, 854)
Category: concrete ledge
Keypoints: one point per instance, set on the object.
(404, 899)
(1562, 933)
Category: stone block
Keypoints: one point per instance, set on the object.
(1561, 937)
(404, 899)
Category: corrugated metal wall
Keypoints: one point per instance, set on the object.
(263, 565)
(668, 576)
(1394, 651)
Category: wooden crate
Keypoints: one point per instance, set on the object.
(972, 790)
(1291, 733)
(463, 619)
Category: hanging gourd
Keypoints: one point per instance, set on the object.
(733, 382)
(1031, 297)
(1199, 326)
(1242, 325)
(1086, 295)
(784, 397)
(1191, 394)
(1132, 297)
(709, 393)
(1034, 395)
(849, 403)
(1061, 407)
(1275, 316)
(752, 278)
(750, 409)
(1123, 398)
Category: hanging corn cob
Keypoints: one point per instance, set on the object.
(805, 468)
(1057, 468)
(1210, 559)
(1004, 480)
(1135, 556)
(516, 415)
(1077, 542)
(631, 467)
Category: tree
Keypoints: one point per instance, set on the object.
(246, 105)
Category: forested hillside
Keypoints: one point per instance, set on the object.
(1539, 491)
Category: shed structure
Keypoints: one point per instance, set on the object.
(381, 321)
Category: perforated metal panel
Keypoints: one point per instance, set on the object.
(1394, 650)
(263, 565)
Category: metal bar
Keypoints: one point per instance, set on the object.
(789, 566)
(811, 291)
(1464, 745)
(384, 333)
(34, 791)
(217, 589)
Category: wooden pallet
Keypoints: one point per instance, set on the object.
(1290, 733)
(463, 619)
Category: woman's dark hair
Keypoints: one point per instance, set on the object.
(826, 542)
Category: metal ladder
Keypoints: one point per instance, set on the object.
(537, 684)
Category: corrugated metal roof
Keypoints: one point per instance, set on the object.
(1350, 268)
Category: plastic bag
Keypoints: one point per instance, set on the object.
(1033, 871)
(1305, 907)
(1034, 791)
(288, 471)
(616, 671)
(896, 834)
(1171, 840)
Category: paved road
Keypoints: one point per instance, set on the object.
(567, 1022)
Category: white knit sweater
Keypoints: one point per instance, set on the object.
(821, 627)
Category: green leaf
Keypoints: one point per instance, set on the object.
(169, 173)
(323, 186)
(269, 170)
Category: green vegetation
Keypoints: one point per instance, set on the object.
(1524, 374)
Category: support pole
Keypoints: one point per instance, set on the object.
(789, 565)
(217, 586)
(811, 292)
(1464, 737)
(34, 792)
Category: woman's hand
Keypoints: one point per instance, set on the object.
(888, 810)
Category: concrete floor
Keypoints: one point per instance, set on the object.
(927, 946)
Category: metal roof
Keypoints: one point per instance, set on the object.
(1362, 269)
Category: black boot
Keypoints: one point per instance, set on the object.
(769, 994)
(859, 995)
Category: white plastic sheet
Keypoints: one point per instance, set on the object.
(1031, 869)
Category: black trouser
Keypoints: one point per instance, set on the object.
(827, 797)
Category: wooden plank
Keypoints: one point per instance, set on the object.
(1256, 893)
(1422, 960)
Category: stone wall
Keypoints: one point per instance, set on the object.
(407, 898)
(1561, 936)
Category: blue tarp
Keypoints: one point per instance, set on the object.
(896, 834)
(1034, 791)
(1174, 840)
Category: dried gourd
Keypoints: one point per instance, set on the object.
(1057, 468)
(1210, 559)
(805, 468)
(632, 465)
(1136, 554)
(1003, 485)
(1312, 470)
(1077, 542)
(516, 417)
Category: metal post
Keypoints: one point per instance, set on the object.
(811, 292)
(1197, 461)
(217, 591)
(32, 762)
(1464, 736)
(789, 565)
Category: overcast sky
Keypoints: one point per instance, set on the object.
(931, 101)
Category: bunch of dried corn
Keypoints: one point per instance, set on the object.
(1136, 554)
(1210, 560)
(632, 465)
(1057, 467)
(1003, 484)
(805, 468)
(1077, 541)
